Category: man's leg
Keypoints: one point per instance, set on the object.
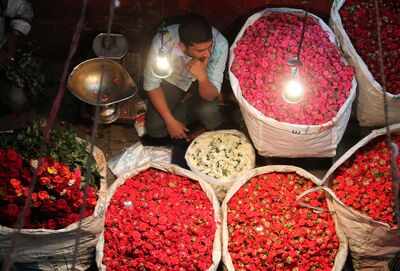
(155, 125)
(207, 112)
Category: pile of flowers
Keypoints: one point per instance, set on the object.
(159, 221)
(365, 182)
(360, 22)
(221, 155)
(261, 66)
(57, 196)
(268, 230)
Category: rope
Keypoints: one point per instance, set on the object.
(61, 89)
(393, 147)
(89, 160)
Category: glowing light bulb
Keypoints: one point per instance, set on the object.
(163, 63)
(293, 92)
(162, 67)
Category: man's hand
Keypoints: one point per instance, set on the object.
(176, 129)
(198, 68)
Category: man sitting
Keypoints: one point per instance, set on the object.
(197, 53)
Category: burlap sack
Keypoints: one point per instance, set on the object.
(274, 138)
(370, 97)
(372, 243)
(216, 254)
(48, 250)
(343, 248)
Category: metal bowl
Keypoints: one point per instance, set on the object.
(117, 85)
(116, 49)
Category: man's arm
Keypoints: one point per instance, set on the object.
(152, 85)
(207, 90)
(21, 15)
(175, 128)
(210, 74)
(157, 98)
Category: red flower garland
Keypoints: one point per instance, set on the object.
(261, 65)
(365, 181)
(269, 231)
(359, 21)
(159, 221)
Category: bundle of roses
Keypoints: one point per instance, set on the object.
(365, 181)
(360, 22)
(56, 199)
(158, 220)
(261, 66)
(269, 230)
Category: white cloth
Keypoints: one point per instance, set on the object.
(180, 76)
(20, 14)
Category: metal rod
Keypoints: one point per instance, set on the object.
(393, 157)
(92, 143)
(303, 31)
(61, 89)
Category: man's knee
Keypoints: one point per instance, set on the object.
(209, 114)
(155, 126)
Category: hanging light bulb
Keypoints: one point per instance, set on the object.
(161, 67)
(293, 91)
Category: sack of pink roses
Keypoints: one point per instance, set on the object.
(263, 74)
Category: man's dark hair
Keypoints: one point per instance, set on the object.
(194, 29)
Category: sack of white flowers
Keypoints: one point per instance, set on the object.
(259, 73)
(160, 217)
(354, 23)
(219, 156)
(276, 218)
(47, 240)
(362, 183)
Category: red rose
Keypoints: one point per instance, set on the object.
(364, 182)
(62, 205)
(12, 155)
(43, 195)
(359, 21)
(44, 180)
(159, 221)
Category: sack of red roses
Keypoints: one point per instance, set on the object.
(49, 244)
(355, 25)
(277, 218)
(160, 217)
(259, 73)
(218, 157)
(361, 185)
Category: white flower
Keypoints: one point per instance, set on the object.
(221, 155)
